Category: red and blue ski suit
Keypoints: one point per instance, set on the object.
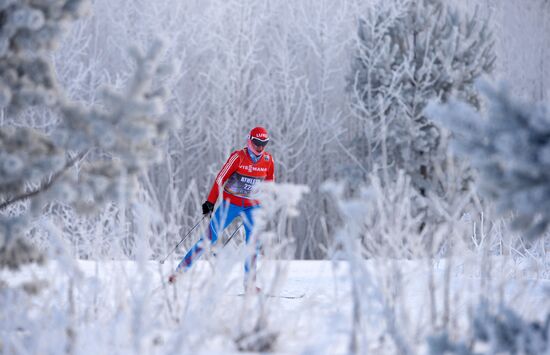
(238, 178)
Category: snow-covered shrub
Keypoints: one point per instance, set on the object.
(370, 304)
(500, 331)
(260, 329)
(505, 330)
(510, 148)
(379, 235)
(205, 297)
(391, 225)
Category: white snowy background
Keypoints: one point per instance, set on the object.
(412, 148)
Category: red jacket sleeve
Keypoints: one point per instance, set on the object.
(226, 171)
(271, 170)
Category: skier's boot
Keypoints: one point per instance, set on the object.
(253, 289)
(250, 285)
(172, 279)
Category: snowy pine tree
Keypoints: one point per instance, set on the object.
(408, 52)
(110, 143)
(511, 151)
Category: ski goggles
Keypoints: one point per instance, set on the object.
(259, 142)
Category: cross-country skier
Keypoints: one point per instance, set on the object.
(238, 177)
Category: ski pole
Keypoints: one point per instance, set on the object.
(183, 239)
(232, 234)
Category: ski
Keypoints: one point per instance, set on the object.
(288, 297)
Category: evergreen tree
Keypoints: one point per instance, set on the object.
(511, 151)
(110, 143)
(408, 52)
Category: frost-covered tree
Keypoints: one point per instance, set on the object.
(510, 148)
(94, 153)
(408, 52)
(306, 46)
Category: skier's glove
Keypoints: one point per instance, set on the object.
(207, 207)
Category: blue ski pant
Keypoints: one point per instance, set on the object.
(223, 216)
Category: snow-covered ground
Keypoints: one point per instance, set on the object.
(124, 307)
